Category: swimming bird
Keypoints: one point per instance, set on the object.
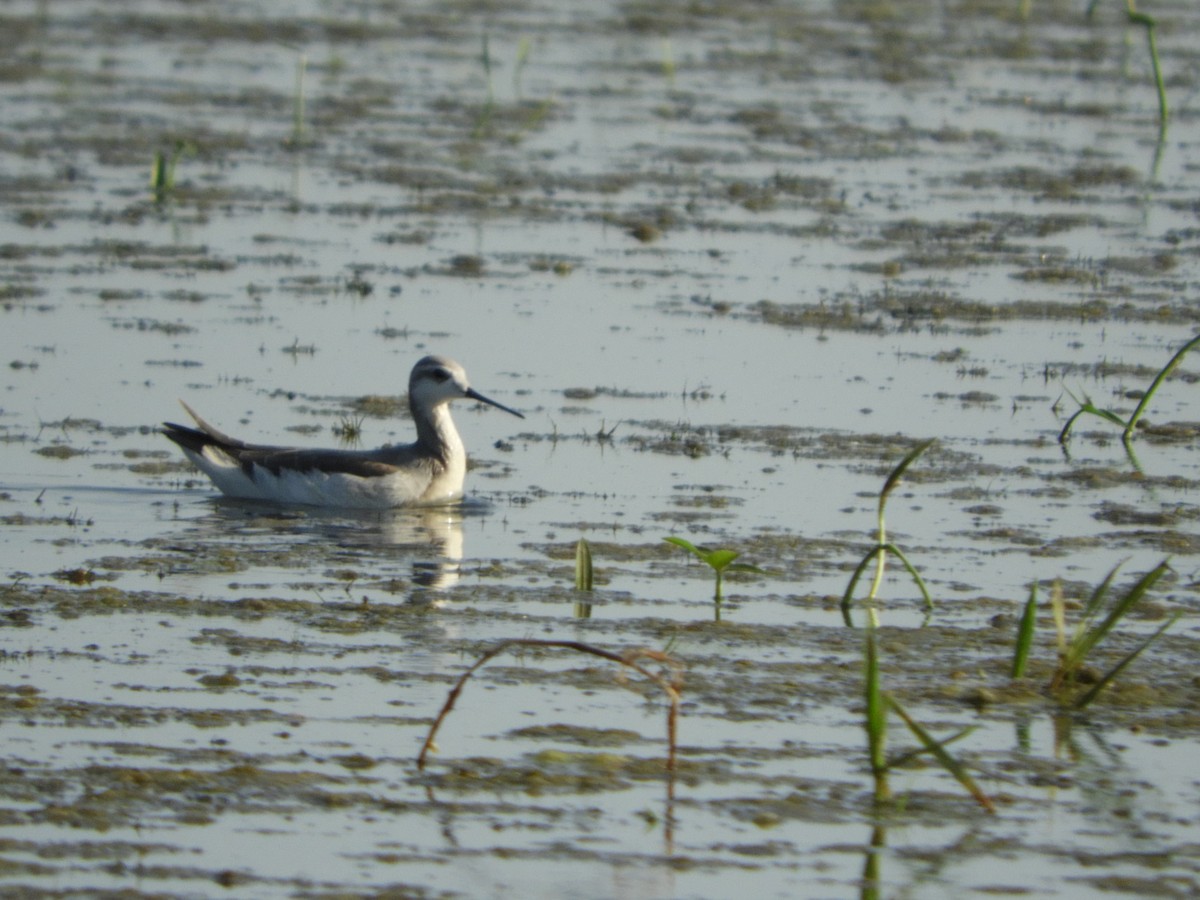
(427, 472)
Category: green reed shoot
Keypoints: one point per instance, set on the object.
(878, 705)
(1151, 26)
(720, 561)
(1025, 633)
(1073, 650)
(1148, 22)
(583, 565)
(584, 577)
(883, 546)
(1094, 692)
(1127, 426)
(942, 755)
(162, 177)
(298, 102)
(876, 720)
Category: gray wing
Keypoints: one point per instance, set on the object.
(363, 463)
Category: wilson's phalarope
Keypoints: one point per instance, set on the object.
(427, 472)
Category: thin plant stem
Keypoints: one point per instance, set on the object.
(1151, 26)
(298, 101)
(876, 719)
(671, 687)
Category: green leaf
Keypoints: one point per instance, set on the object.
(938, 749)
(912, 570)
(1025, 634)
(719, 559)
(901, 467)
(686, 545)
(1080, 648)
(1119, 667)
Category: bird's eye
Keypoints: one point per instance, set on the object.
(441, 375)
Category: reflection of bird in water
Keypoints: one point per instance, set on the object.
(428, 471)
(428, 541)
(412, 553)
(442, 530)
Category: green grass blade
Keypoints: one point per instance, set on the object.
(901, 467)
(1086, 406)
(298, 101)
(719, 559)
(876, 716)
(943, 756)
(1096, 601)
(1106, 414)
(903, 759)
(1066, 429)
(848, 596)
(1080, 648)
(1162, 376)
(1116, 670)
(686, 545)
(1025, 634)
(1151, 26)
(912, 570)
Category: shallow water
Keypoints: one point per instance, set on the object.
(732, 263)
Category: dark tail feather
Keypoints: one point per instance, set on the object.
(188, 438)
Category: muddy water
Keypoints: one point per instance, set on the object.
(732, 262)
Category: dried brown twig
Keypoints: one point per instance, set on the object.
(669, 680)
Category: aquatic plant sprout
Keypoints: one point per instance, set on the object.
(1073, 651)
(878, 704)
(162, 177)
(1127, 425)
(584, 574)
(720, 561)
(1136, 17)
(584, 577)
(1025, 631)
(883, 546)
